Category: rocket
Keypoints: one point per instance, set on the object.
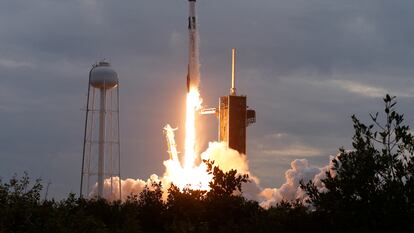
(193, 75)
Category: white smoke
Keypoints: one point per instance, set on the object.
(300, 171)
(129, 187)
(290, 191)
(223, 157)
(228, 159)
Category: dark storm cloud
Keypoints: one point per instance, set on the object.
(306, 66)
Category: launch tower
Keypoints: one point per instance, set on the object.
(234, 116)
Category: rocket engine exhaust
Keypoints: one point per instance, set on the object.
(188, 171)
(193, 75)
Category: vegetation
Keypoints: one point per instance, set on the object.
(371, 186)
(367, 189)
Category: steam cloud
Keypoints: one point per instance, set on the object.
(129, 187)
(289, 191)
(228, 159)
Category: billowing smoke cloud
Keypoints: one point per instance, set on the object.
(300, 171)
(317, 180)
(222, 156)
(228, 159)
(129, 187)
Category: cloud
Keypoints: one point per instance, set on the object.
(294, 151)
(225, 158)
(371, 91)
(300, 171)
(290, 191)
(129, 187)
(360, 89)
(228, 159)
(285, 145)
(9, 63)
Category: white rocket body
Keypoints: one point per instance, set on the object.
(193, 76)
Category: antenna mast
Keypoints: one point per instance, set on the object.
(233, 72)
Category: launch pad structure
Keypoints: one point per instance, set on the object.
(234, 115)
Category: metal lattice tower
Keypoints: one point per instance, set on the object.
(101, 175)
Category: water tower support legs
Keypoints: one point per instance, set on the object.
(101, 149)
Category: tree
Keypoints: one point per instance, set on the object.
(372, 185)
(224, 184)
(226, 209)
(186, 209)
(18, 204)
(152, 208)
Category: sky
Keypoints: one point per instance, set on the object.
(305, 65)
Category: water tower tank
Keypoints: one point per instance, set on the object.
(103, 76)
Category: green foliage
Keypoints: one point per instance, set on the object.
(151, 208)
(184, 211)
(371, 185)
(18, 202)
(224, 184)
(227, 209)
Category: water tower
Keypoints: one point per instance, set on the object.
(100, 175)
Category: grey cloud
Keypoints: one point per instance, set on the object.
(290, 54)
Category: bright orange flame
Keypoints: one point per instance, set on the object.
(190, 174)
(193, 105)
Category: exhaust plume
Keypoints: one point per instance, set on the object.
(227, 159)
(300, 171)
